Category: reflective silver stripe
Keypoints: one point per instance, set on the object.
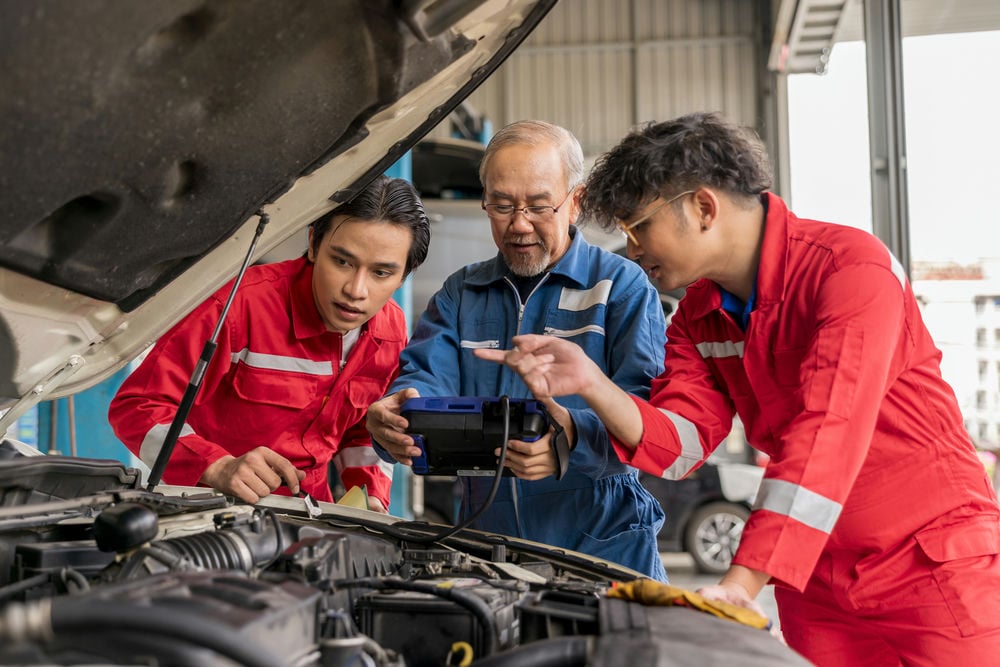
(275, 362)
(719, 349)
(582, 299)
(480, 344)
(799, 503)
(153, 442)
(691, 452)
(897, 270)
(357, 457)
(567, 333)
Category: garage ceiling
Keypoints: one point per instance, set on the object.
(806, 30)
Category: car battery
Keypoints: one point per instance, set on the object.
(423, 627)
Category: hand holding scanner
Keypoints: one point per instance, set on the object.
(458, 434)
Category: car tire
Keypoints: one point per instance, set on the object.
(713, 535)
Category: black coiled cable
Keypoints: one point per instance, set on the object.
(498, 476)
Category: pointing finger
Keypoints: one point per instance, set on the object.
(497, 356)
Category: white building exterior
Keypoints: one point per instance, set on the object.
(961, 308)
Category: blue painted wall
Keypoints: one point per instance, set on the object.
(94, 437)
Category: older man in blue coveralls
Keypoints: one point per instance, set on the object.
(546, 279)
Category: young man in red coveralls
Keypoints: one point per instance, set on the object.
(875, 520)
(307, 346)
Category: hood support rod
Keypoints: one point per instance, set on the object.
(156, 473)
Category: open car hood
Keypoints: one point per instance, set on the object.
(140, 140)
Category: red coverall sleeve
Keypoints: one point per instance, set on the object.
(687, 415)
(842, 382)
(141, 412)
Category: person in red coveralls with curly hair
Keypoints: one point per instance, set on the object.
(875, 520)
(308, 345)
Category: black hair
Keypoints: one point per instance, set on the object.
(392, 200)
(664, 159)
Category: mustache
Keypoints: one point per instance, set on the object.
(524, 239)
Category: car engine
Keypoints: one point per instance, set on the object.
(95, 570)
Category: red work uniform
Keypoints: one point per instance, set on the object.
(278, 379)
(875, 518)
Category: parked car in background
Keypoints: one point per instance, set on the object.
(707, 510)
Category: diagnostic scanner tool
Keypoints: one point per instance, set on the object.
(458, 435)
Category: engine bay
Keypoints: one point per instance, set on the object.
(96, 570)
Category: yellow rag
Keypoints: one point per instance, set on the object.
(356, 497)
(649, 592)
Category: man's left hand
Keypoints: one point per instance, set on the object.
(733, 594)
(537, 459)
(375, 505)
(531, 460)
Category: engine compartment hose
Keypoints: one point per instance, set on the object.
(87, 615)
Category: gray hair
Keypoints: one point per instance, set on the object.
(534, 133)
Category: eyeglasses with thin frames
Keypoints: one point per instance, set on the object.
(534, 213)
(626, 229)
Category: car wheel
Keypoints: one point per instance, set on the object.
(713, 535)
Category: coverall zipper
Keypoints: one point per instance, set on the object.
(521, 305)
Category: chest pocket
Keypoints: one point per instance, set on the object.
(276, 388)
(363, 391)
(482, 334)
(573, 324)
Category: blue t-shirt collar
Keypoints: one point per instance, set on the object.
(740, 311)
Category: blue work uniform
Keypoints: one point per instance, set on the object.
(603, 303)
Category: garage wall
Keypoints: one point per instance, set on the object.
(599, 67)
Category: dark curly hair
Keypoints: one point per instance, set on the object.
(391, 200)
(667, 158)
